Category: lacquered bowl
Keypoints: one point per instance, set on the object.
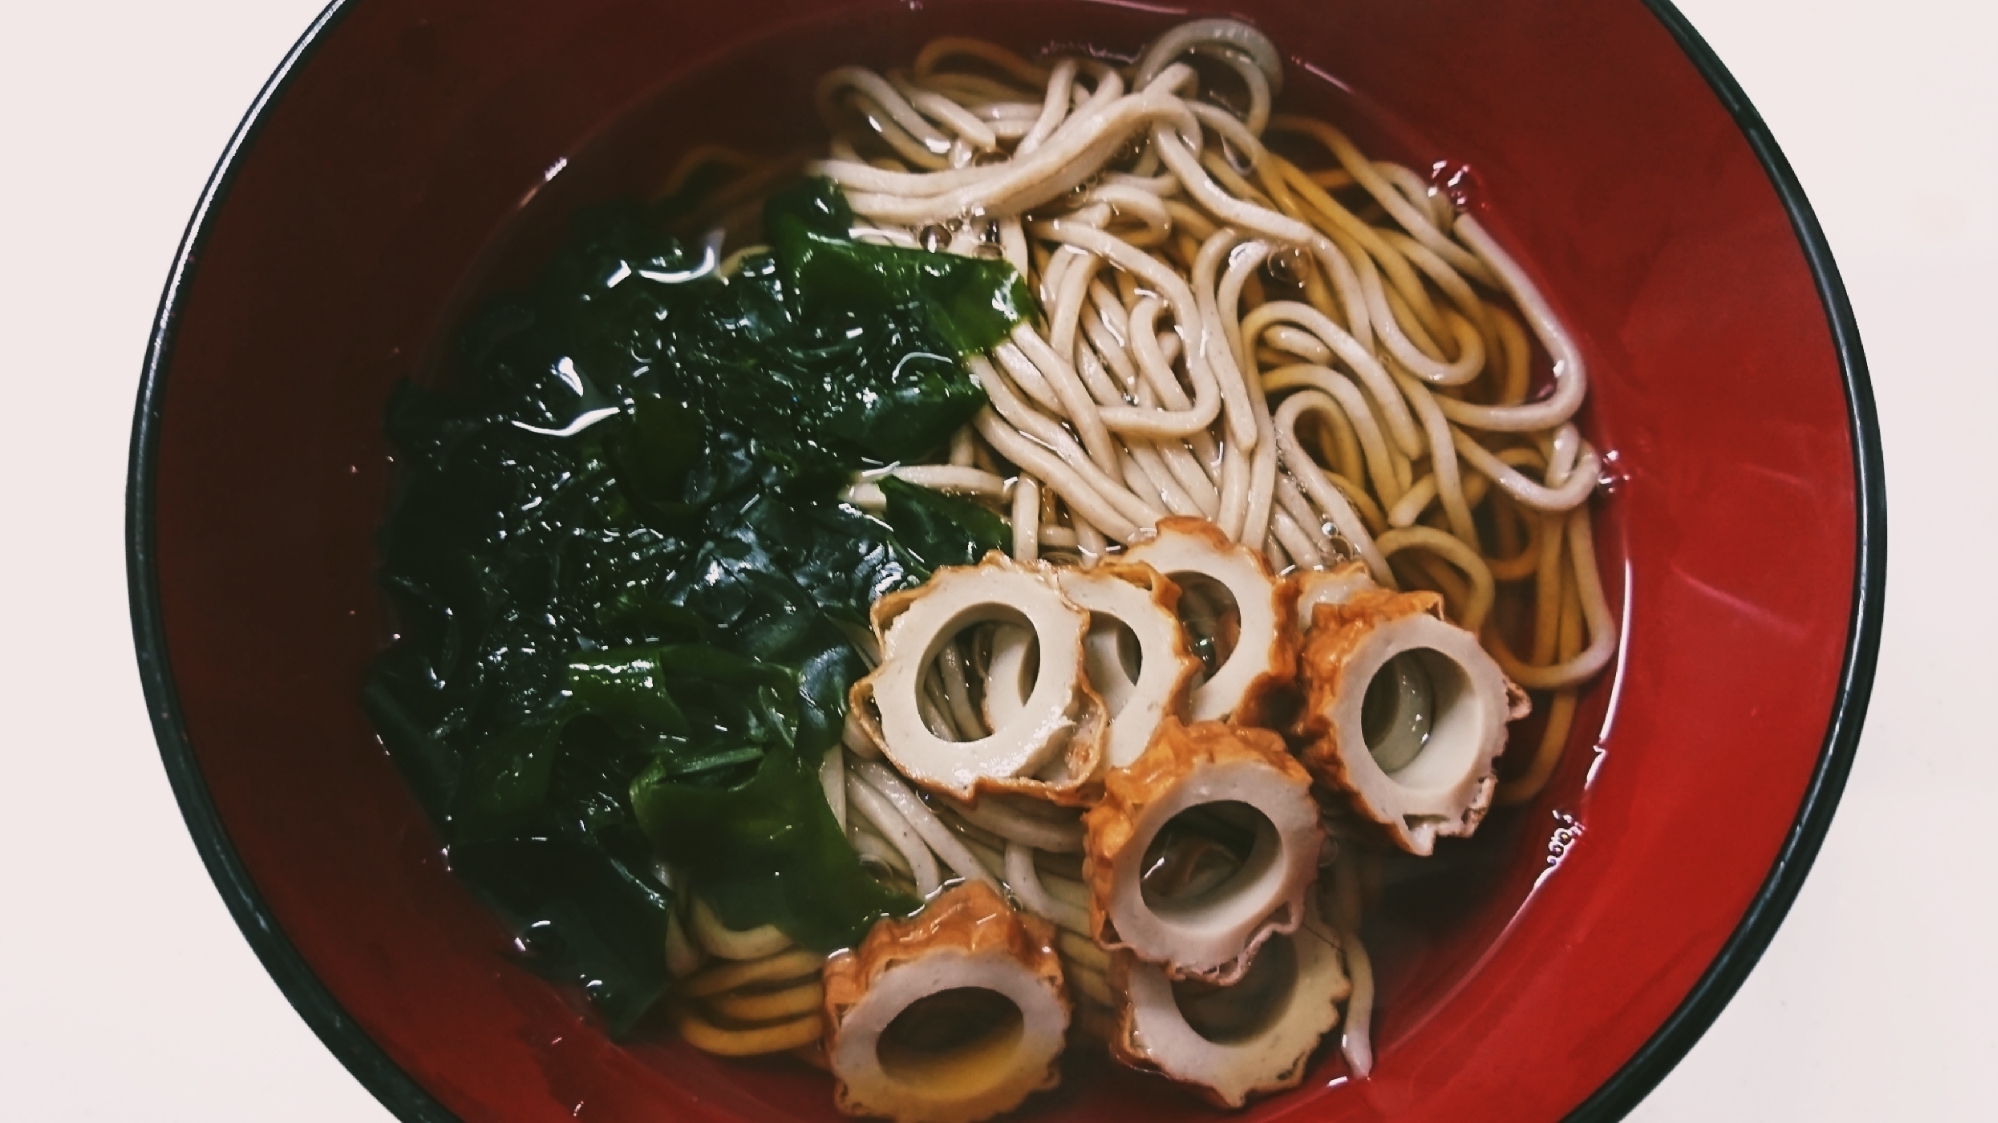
(410, 154)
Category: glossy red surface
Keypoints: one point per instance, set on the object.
(387, 184)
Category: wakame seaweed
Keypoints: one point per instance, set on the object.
(936, 530)
(624, 581)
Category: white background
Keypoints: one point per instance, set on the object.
(126, 992)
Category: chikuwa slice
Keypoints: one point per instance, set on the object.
(1337, 585)
(1050, 746)
(1136, 597)
(1198, 558)
(1234, 1042)
(1132, 620)
(1202, 849)
(1404, 713)
(952, 1016)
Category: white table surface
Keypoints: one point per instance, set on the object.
(1878, 999)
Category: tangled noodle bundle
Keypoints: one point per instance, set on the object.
(1245, 321)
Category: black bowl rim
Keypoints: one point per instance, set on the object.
(409, 1101)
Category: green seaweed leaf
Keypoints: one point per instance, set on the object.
(938, 529)
(621, 573)
(767, 851)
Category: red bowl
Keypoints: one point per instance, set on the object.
(410, 152)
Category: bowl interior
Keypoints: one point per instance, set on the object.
(421, 154)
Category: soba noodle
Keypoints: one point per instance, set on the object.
(1317, 352)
